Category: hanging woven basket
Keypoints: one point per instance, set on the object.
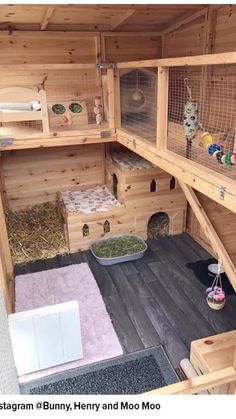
(216, 305)
(215, 294)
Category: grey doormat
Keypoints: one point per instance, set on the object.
(127, 374)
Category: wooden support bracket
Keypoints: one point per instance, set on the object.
(49, 12)
(210, 232)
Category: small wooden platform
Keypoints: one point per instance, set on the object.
(213, 354)
(156, 300)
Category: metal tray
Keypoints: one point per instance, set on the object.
(119, 259)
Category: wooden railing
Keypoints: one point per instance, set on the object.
(201, 383)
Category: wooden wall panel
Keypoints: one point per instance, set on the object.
(186, 40)
(40, 47)
(128, 47)
(225, 29)
(35, 176)
(213, 33)
(222, 219)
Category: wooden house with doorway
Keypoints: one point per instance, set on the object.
(118, 120)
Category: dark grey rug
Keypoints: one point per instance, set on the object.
(128, 374)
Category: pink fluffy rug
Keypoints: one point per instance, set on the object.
(73, 282)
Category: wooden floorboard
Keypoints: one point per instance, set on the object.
(158, 299)
(137, 314)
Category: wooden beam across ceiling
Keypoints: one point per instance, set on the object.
(122, 19)
(107, 17)
(174, 26)
(46, 19)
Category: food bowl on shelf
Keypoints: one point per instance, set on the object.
(118, 249)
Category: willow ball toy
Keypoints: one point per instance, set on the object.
(207, 138)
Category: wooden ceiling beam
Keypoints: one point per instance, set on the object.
(182, 22)
(131, 34)
(46, 19)
(122, 19)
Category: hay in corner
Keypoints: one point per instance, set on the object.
(36, 232)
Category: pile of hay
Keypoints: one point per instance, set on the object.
(36, 232)
(158, 226)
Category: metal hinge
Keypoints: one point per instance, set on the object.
(105, 65)
(105, 134)
(4, 142)
(222, 192)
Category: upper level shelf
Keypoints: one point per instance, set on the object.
(181, 113)
(52, 105)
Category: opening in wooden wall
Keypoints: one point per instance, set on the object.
(114, 185)
(172, 183)
(85, 230)
(153, 185)
(106, 227)
(158, 225)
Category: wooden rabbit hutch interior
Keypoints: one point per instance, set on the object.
(120, 115)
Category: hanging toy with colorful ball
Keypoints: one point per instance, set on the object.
(214, 149)
(215, 294)
(207, 139)
(191, 125)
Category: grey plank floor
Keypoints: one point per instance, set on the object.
(158, 299)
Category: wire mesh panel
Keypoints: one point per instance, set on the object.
(202, 116)
(138, 95)
(74, 99)
(8, 377)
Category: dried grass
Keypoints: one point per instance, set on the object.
(36, 232)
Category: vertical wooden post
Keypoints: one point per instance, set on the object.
(2, 186)
(6, 265)
(6, 285)
(4, 240)
(232, 386)
(44, 110)
(162, 107)
(111, 97)
(117, 100)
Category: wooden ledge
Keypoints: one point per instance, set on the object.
(193, 174)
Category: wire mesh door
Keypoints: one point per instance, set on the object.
(202, 116)
(139, 102)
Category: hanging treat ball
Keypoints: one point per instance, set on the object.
(191, 119)
(233, 158)
(218, 155)
(227, 159)
(137, 96)
(207, 138)
(212, 148)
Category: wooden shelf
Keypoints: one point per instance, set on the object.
(21, 116)
(204, 180)
(56, 139)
